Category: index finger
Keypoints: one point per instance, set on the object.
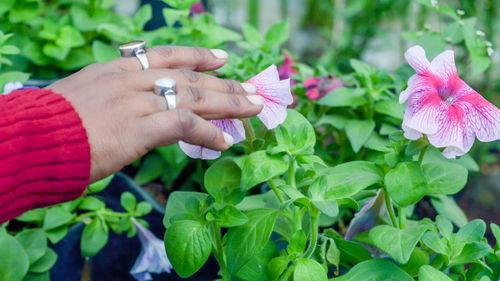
(193, 58)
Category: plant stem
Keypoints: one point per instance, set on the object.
(276, 191)
(218, 250)
(291, 172)
(249, 132)
(388, 204)
(402, 217)
(422, 154)
(314, 236)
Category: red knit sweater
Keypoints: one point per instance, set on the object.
(44, 152)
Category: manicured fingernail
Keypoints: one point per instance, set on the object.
(220, 54)
(256, 99)
(228, 138)
(249, 88)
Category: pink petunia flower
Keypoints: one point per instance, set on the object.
(318, 87)
(445, 108)
(286, 69)
(233, 127)
(277, 96)
(196, 9)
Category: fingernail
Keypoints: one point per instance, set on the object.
(228, 138)
(249, 88)
(256, 99)
(220, 54)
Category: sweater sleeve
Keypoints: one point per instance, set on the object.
(44, 152)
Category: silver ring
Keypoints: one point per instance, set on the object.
(167, 87)
(136, 49)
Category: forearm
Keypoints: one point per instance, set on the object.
(44, 152)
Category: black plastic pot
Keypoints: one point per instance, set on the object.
(116, 259)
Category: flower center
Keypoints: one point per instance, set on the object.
(446, 96)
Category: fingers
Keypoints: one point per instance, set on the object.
(168, 127)
(208, 104)
(144, 81)
(193, 58)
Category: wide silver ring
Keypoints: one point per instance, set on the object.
(136, 49)
(167, 87)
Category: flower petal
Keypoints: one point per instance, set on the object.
(416, 83)
(422, 109)
(444, 69)
(267, 76)
(313, 94)
(272, 114)
(415, 56)
(198, 152)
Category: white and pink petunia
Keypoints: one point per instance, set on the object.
(233, 127)
(445, 108)
(277, 97)
(318, 87)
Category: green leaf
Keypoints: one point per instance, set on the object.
(278, 33)
(5, 6)
(391, 108)
(151, 169)
(182, 205)
(260, 167)
(45, 263)
(91, 203)
(429, 273)
(252, 35)
(375, 270)
(104, 52)
(358, 132)
(495, 229)
(336, 121)
(318, 194)
(397, 243)
(128, 201)
(115, 32)
(471, 252)
(344, 96)
(447, 207)
(37, 276)
(228, 216)
(257, 267)
(142, 16)
(188, 246)
(362, 68)
(143, 208)
(347, 179)
(444, 178)
(222, 181)
(57, 52)
(56, 217)
(406, 183)
(100, 185)
(417, 259)
(433, 241)
(472, 232)
(277, 266)
(351, 252)
(34, 243)
(70, 37)
(173, 15)
(9, 50)
(57, 234)
(309, 270)
(297, 242)
(35, 215)
(95, 236)
(296, 134)
(247, 240)
(445, 227)
(10, 76)
(13, 258)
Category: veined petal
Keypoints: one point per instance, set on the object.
(267, 76)
(444, 70)
(234, 127)
(313, 94)
(416, 57)
(422, 109)
(272, 114)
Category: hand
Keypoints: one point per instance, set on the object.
(124, 118)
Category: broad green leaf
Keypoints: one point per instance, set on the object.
(216, 35)
(391, 108)
(495, 229)
(309, 270)
(296, 134)
(222, 181)
(128, 201)
(446, 206)
(55, 51)
(362, 68)
(35, 215)
(257, 267)
(13, 258)
(45, 263)
(336, 121)
(91, 203)
(278, 34)
(433, 241)
(445, 227)
(76, 59)
(104, 52)
(344, 96)
(70, 37)
(5, 6)
(37, 276)
(472, 232)
(332, 254)
(143, 208)
(397, 243)
(174, 15)
(444, 178)
(351, 252)
(56, 217)
(358, 132)
(260, 167)
(277, 266)
(429, 273)
(57, 234)
(471, 252)
(406, 183)
(182, 205)
(417, 259)
(115, 32)
(318, 195)
(142, 16)
(347, 179)
(252, 35)
(188, 246)
(34, 243)
(95, 236)
(297, 242)
(99, 186)
(434, 155)
(247, 240)
(375, 270)
(151, 169)
(228, 216)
